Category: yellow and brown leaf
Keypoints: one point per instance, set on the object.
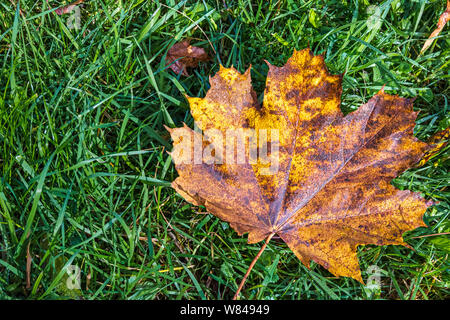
(332, 190)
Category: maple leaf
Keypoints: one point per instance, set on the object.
(443, 19)
(332, 191)
(182, 56)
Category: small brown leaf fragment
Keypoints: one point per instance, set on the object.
(68, 8)
(443, 19)
(182, 56)
(331, 192)
(28, 269)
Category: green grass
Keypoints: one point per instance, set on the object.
(84, 173)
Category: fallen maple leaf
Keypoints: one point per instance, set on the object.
(182, 56)
(443, 19)
(332, 191)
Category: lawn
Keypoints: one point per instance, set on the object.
(84, 170)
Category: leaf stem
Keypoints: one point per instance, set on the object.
(236, 295)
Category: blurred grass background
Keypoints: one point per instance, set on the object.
(84, 173)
